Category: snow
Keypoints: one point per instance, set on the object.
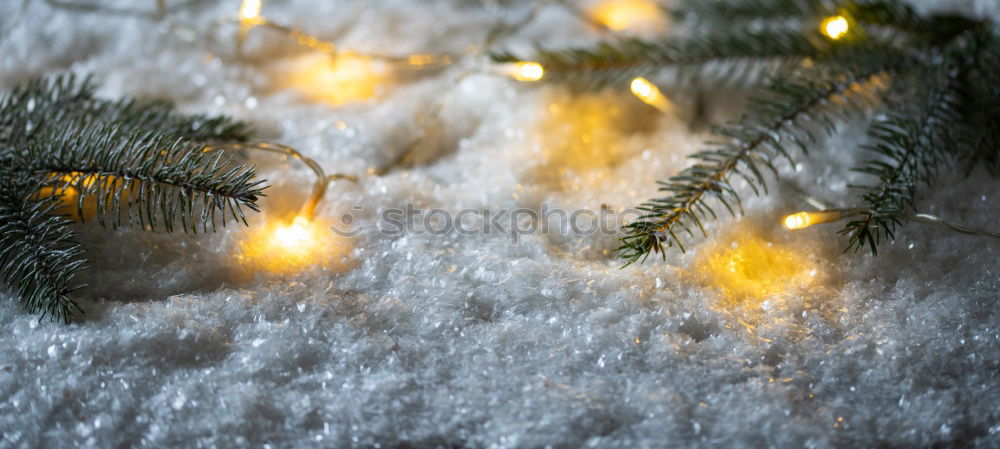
(427, 340)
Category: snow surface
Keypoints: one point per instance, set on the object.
(427, 340)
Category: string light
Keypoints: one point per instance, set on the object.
(250, 11)
(835, 27)
(290, 245)
(619, 15)
(250, 17)
(526, 71)
(802, 220)
(296, 238)
(649, 94)
(335, 80)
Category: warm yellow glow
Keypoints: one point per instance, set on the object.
(283, 246)
(649, 94)
(749, 269)
(835, 27)
(582, 139)
(288, 246)
(803, 220)
(250, 10)
(628, 14)
(296, 238)
(527, 71)
(335, 80)
(797, 221)
(423, 59)
(68, 193)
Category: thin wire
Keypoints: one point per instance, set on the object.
(416, 60)
(433, 114)
(957, 227)
(322, 179)
(919, 218)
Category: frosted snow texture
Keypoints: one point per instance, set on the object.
(470, 341)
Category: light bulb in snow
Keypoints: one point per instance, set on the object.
(797, 221)
(296, 238)
(802, 220)
(835, 27)
(649, 94)
(621, 15)
(527, 71)
(250, 11)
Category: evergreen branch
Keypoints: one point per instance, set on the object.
(154, 179)
(726, 11)
(39, 254)
(134, 160)
(160, 115)
(29, 106)
(813, 96)
(911, 140)
(902, 19)
(980, 90)
(36, 105)
(616, 63)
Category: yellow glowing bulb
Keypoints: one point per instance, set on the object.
(649, 94)
(835, 27)
(250, 10)
(802, 220)
(797, 221)
(527, 71)
(336, 80)
(624, 14)
(286, 247)
(296, 238)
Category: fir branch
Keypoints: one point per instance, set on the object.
(160, 115)
(155, 180)
(979, 133)
(39, 254)
(757, 140)
(912, 139)
(616, 63)
(136, 161)
(29, 106)
(727, 11)
(36, 105)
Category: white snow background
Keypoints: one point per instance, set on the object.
(471, 341)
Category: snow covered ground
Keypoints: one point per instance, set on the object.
(428, 340)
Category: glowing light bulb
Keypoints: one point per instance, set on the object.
(526, 71)
(620, 15)
(801, 220)
(797, 221)
(287, 247)
(649, 94)
(835, 27)
(296, 238)
(250, 11)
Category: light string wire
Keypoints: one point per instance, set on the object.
(253, 19)
(415, 60)
(826, 214)
(432, 116)
(321, 184)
